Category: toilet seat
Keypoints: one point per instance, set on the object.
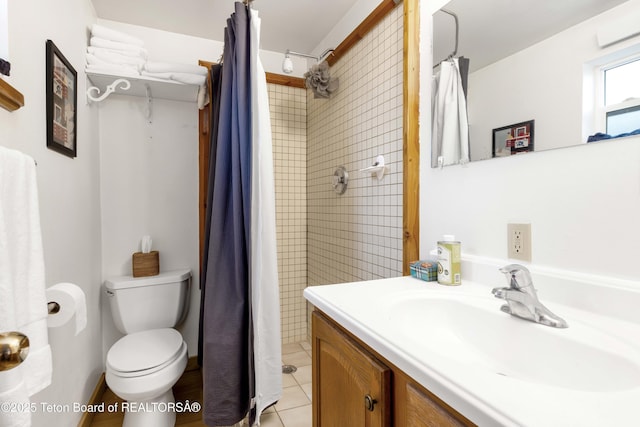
(143, 353)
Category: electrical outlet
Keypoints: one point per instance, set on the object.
(519, 241)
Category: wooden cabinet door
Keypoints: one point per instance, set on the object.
(350, 386)
(423, 411)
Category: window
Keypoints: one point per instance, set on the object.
(623, 121)
(622, 97)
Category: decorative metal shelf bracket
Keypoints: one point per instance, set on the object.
(126, 85)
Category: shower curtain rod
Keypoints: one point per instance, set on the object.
(455, 49)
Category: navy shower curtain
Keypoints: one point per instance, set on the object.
(226, 331)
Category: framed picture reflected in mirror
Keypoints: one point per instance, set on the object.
(513, 139)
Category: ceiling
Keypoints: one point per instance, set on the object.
(489, 30)
(299, 25)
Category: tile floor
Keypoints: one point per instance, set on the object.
(294, 409)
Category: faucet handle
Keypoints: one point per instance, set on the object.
(518, 276)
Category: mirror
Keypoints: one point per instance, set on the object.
(529, 63)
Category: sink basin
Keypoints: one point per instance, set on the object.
(474, 332)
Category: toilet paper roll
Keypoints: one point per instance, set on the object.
(72, 302)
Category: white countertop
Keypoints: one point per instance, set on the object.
(486, 397)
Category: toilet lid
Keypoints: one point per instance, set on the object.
(144, 350)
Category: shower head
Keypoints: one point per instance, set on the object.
(287, 65)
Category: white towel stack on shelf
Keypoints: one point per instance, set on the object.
(113, 52)
(183, 73)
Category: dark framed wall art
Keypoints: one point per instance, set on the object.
(61, 87)
(513, 139)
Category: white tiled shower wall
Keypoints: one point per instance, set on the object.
(323, 237)
(288, 108)
(358, 235)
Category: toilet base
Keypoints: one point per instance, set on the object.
(159, 412)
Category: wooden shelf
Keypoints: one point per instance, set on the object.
(10, 98)
(158, 89)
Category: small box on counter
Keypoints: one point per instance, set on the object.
(145, 264)
(426, 270)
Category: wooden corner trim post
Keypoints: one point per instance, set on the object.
(410, 135)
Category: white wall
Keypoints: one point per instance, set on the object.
(358, 12)
(68, 189)
(583, 202)
(149, 186)
(4, 30)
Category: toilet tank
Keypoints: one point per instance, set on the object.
(142, 303)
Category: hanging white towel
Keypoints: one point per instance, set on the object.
(13, 391)
(264, 263)
(23, 305)
(450, 124)
(37, 367)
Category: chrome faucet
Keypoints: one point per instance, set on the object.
(522, 300)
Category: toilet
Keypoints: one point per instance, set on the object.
(143, 366)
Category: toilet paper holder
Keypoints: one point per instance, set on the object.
(66, 304)
(53, 307)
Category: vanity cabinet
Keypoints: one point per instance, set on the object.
(350, 386)
(354, 386)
